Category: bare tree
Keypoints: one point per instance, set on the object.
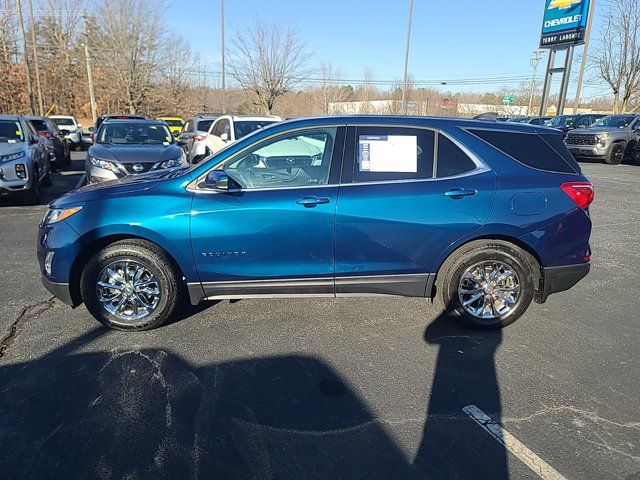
(131, 48)
(330, 89)
(617, 57)
(268, 60)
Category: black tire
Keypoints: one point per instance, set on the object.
(151, 257)
(32, 196)
(47, 180)
(616, 154)
(452, 271)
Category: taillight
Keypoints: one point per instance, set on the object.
(580, 192)
(45, 134)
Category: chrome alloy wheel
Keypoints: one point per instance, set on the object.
(128, 290)
(489, 289)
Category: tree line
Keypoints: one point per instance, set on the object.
(139, 66)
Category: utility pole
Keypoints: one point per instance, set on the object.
(585, 50)
(25, 57)
(35, 58)
(224, 89)
(87, 57)
(406, 60)
(537, 55)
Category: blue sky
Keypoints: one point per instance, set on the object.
(450, 39)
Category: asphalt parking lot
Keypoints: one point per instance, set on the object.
(344, 388)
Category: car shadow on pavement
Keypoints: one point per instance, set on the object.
(149, 413)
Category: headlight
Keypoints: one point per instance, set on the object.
(602, 136)
(11, 156)
(55, 215)
(174, 162)
(96, 162)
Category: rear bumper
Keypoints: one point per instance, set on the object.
(559, 279)
(59, 290)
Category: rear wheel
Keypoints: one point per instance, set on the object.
(489, 286)
(615, 154)
(131, 285)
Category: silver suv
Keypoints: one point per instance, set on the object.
(612, 139)
(24, 159)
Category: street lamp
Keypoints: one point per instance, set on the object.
(535, 59)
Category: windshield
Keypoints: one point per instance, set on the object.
(10, 132)
(562, 121)
(132, 133)
(174, 123)
(243, 128)
(67, 122)
(616, 121)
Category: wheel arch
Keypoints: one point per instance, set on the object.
(456, 249)
(94, 247)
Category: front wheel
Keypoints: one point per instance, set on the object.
(487, 287)
(131, 285)
(615, 154)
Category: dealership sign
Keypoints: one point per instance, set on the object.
(564, 22)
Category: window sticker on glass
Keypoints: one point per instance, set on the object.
(388, 153)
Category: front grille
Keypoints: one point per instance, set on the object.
(130, 167)
(580, 140)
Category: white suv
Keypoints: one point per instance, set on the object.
(229, 128)
(71, 128)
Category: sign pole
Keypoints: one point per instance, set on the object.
(587, 36)
(547, 83)
(406, 60)
(564, 86)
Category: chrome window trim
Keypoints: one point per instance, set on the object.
(481, 167)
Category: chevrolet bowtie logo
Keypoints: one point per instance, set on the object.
(563, 4)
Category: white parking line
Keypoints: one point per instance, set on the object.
(511, 443)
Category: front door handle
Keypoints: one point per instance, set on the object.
(312, 201)
(458, 193)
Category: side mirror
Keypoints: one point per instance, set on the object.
(218, 180)
(92, 129)
(79, 125)
(224, 136)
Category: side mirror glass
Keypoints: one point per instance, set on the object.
(218, 180)
(224, 136)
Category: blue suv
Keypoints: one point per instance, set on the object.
(485, 216)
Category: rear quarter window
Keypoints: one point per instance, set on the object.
(542, 152)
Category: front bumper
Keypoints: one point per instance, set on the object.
(59, 290)
(587, 151)
(559, 279)
(10, 183)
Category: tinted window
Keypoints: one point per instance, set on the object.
(616, 121)
(173, 123)
(393, 153)
(39, 125)
(557, 143)
(203, 125)
(243, 128)
(10, 132)
(298, 159)
(529, 149)
(451, 159)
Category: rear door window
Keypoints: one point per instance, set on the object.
(543, 152)
(393, 153)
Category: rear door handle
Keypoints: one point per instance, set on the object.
(458, 193)
(312, 201)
